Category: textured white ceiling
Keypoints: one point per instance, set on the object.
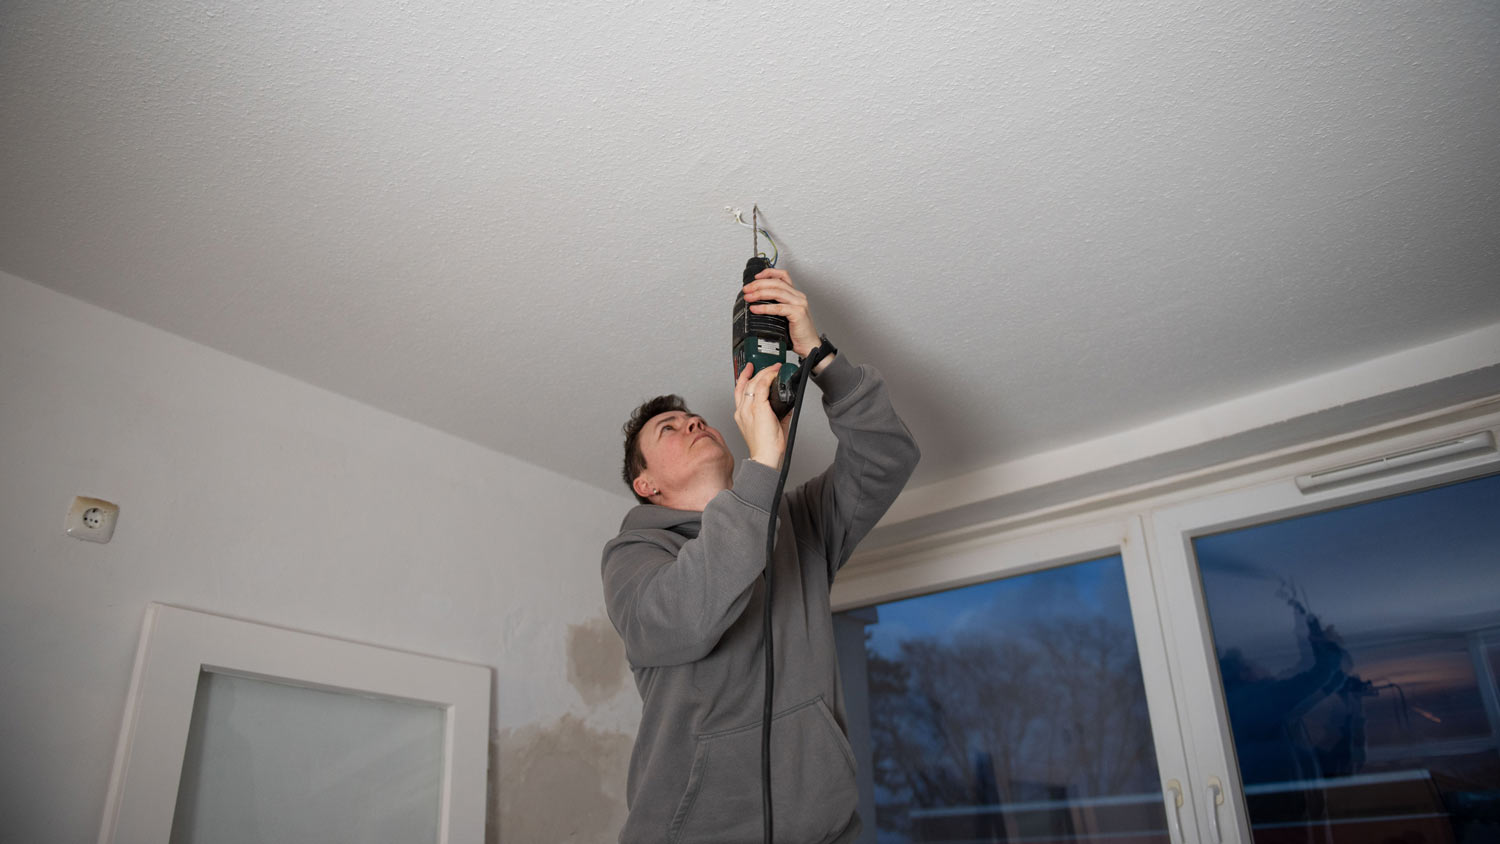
(1044, 221)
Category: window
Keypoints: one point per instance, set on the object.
(1013, 709)
(1351, 651)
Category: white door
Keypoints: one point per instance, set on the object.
(242, 732)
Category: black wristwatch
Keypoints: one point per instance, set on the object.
(827, 349)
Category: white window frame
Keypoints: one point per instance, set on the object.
(1028, 551)
(177, 644)
(1189, 633)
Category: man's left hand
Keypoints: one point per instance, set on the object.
(789, 302)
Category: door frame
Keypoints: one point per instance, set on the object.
(178, 644)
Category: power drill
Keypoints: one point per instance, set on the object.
(762, 340)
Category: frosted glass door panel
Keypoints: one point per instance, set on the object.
(269, 762)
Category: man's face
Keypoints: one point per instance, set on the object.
(681, 449)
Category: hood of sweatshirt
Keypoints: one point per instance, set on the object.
(656, 517)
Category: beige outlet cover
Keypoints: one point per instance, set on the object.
(92, 519)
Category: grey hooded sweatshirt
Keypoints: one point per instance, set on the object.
(683, 589)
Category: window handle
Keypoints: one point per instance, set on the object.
(1215, 800)
(1174, 810)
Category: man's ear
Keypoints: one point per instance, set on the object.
(643, 487)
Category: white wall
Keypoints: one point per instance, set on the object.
(246, 493)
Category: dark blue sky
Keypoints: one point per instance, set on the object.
(1422, 564)
(999, 607)
(1419, 563)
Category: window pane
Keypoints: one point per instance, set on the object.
(271, 762)
(1351, 647)
(1010, 710)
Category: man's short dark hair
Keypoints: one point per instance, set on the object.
(635, 460)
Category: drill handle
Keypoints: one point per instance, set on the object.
(753, 268)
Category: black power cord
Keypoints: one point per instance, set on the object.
(765, 722)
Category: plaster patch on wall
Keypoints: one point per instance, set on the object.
(596, 660)
(561, 783)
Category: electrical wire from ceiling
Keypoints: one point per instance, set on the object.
(756, 232)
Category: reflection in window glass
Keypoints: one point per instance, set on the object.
(1005, 711)
(1351, 646)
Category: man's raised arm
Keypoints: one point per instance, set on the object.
(674, 609)
(876, 455)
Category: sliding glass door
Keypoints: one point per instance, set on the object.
(1337, 662)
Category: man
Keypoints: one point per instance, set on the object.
(683, 587)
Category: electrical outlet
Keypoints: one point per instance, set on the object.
(92, 519)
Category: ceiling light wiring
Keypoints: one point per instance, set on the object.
(757, 231)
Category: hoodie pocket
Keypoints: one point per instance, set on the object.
(812, 782)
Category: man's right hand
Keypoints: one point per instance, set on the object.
(764, 434)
